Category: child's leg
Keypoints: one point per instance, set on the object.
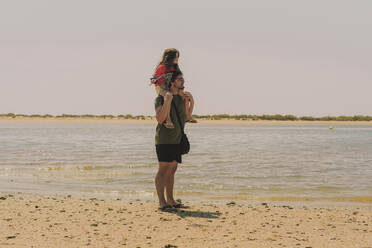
(161, 91)
(190, 109)
(168, 122)
(187, 109)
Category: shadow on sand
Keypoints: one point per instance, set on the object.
(196, 214)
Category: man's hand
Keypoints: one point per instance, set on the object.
(168, 97)
(188, 96)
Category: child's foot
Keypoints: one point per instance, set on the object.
(168, 124)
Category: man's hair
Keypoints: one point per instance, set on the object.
(175, 74)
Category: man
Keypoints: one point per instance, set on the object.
(167, 140)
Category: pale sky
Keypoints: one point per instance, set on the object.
(238, 57)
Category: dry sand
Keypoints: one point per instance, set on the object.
(40, 221)
(152, 121)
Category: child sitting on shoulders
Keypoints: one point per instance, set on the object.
(162, 76)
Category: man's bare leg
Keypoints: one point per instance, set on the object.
(169, 183)
(160, 181)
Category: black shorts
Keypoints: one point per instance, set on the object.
(169, 153)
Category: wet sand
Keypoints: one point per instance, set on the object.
(30, 220)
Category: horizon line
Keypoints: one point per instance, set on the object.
(211, 116)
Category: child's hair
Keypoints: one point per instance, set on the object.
(168, 57)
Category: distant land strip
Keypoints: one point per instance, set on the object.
(276, 117)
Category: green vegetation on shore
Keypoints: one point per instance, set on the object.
(133, 117)
(279, 117)
(276, 117)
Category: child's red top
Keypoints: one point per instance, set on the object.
(161, 70)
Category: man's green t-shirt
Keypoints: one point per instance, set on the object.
(171, 135)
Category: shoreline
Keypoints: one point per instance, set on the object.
(45, 221)
(331, 201)
(152, 121)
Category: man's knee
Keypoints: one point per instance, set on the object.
(172, 168)
(163, 169)
(175, 168)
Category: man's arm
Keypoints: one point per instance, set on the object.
(163, 110)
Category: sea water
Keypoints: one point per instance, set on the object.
(225, 161)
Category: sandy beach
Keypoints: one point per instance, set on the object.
(63, 221)
(152, 121)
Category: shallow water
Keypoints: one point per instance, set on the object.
(226, 161)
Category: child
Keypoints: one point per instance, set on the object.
(162, 76)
